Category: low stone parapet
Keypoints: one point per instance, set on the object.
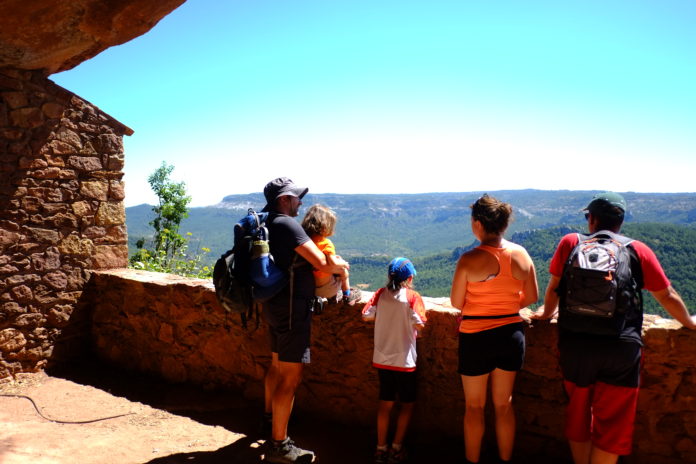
(173, 327)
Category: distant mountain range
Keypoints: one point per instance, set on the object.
(416, 225)
(433, 230)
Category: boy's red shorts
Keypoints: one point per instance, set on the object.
(603, 414)
(601, 378)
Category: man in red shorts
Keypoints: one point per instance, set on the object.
(601, 373)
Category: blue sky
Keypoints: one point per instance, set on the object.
(370, 96)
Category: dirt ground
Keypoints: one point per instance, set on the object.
(159, 423)
(163, 423)
(140, 434)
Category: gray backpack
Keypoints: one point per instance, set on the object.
(598, 290)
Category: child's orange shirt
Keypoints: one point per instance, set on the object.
(326, 246)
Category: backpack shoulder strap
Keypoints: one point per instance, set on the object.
(622, 239)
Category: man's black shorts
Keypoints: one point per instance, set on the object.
(500, 348)
(585, 361)
(290, 342)
(393, 384)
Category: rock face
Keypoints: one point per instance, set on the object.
(173, 327)
(56, 35)
(61, 212)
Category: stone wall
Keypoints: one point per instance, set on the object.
(61, 212)
(173, 327)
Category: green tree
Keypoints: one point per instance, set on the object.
(170, 249)
(172, 208)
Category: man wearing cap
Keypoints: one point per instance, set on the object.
(289, 313)
(601, 373)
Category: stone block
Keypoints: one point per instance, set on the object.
(116, 162)
(8, 269)
(94, 232)
(84, 163)
(55, 208)
(69, 297)
(32, 163)
(116, 190)
(11, 340)
(108, 144)
(88, 149)
(166, 333)
(70, 137)
(76, 278)
(27, 118)
(46, 261)
(13, 309)
(8, 237)
(21, 279)
(110, 256)
(117, 234)
(54, 172)
(21, 293)
(29, 321)
(53, 195)
(59, 316)
(63, 221)
(44, 235)
(58, 147)
(110, 214)
(96, 189)
(15, 99)
(52, 110)
(74, 245)
(56, 280)
(54, 160)
(82, 208)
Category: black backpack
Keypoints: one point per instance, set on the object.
(599, 290)
(235, 286)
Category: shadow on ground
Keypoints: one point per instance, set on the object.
(332, 441)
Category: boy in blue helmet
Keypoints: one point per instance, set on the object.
(399, 315)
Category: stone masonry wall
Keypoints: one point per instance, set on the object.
(173, 327)
(61, 212)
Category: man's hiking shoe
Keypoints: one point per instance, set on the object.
(397, 456)
(381, 456)
(355, 295)
(286, 453)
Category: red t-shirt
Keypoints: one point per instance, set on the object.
(654, 278)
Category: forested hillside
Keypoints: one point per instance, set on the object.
(433, 230)
(415, 224)
(674, 245)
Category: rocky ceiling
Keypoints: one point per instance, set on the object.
(56, 35)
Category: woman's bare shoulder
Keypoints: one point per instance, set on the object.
(472, 255)
(515, 248)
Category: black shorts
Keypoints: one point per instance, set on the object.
(500, 348)
(393, 383)
(291, 342)
(585, 361)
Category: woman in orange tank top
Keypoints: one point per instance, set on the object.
(491, 284)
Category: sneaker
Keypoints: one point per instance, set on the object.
(381, 456)
(397, 456)
(355, 295)
(286, 453)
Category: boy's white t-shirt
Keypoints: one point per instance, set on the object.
(395, 315)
